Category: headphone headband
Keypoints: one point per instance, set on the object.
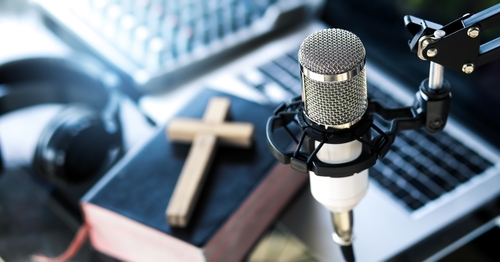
(43, 80)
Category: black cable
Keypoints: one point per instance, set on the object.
(348, 253)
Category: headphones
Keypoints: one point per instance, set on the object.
(85, 137)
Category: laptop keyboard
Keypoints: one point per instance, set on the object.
(419, 168)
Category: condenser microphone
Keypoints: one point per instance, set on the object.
(334, 93)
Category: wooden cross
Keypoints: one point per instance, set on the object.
(204, 135)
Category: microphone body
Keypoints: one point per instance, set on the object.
(334, 93)
(339, 194)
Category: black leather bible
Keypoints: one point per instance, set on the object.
(243, 194)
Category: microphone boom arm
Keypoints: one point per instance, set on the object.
(456, 45)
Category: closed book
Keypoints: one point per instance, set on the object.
(244, 192)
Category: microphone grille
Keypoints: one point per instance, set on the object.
(336, 103)
(331, 52)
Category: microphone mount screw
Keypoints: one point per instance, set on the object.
(468, 68)
(473, 32)
(439, 33)
(436, 123)
(432, 52)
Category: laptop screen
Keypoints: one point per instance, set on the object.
(380, 26)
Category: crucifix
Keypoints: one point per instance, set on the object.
(205, 135)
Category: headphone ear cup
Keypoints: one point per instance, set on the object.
(74, 146)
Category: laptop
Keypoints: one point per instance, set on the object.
(426, 185)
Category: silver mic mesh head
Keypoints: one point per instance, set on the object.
(334, 78)
(331, 52)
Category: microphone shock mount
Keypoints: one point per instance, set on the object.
(429, 111)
